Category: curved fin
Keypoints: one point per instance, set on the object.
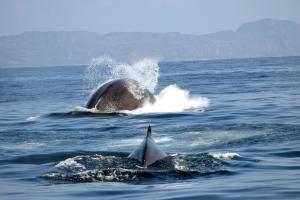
(148, 152)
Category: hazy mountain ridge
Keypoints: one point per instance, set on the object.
(254, 39)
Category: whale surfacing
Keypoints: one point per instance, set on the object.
(120, 94)
(148, 152)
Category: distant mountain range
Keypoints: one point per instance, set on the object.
(261, 38)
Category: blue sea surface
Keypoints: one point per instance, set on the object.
(244, 145)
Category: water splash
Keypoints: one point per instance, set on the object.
(104, 69)
(225, 156)
(174, 99)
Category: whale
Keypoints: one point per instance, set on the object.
(147, 153)
(120, 94)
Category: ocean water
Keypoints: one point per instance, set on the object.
(231, 129)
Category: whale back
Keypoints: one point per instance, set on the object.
(97, 95)
(148, 152)
(121, 94)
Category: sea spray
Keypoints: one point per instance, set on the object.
(144, 71)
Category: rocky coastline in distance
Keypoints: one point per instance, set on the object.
(262, 38)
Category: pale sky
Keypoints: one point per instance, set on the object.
(103, 16)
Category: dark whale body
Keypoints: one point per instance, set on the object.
(120, 94)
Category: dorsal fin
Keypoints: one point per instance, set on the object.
(148, 152)
(149, 131)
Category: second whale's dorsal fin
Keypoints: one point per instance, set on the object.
(149, 131)
(148, 152)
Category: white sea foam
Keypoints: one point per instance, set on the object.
(70, 163)
(174, 99)
(33, 119)
(224, 156)
(180, 164)
(84, 109)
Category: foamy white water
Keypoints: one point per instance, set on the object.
(33, 119)
(225, 156)
(174, 99)
(70, 163)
